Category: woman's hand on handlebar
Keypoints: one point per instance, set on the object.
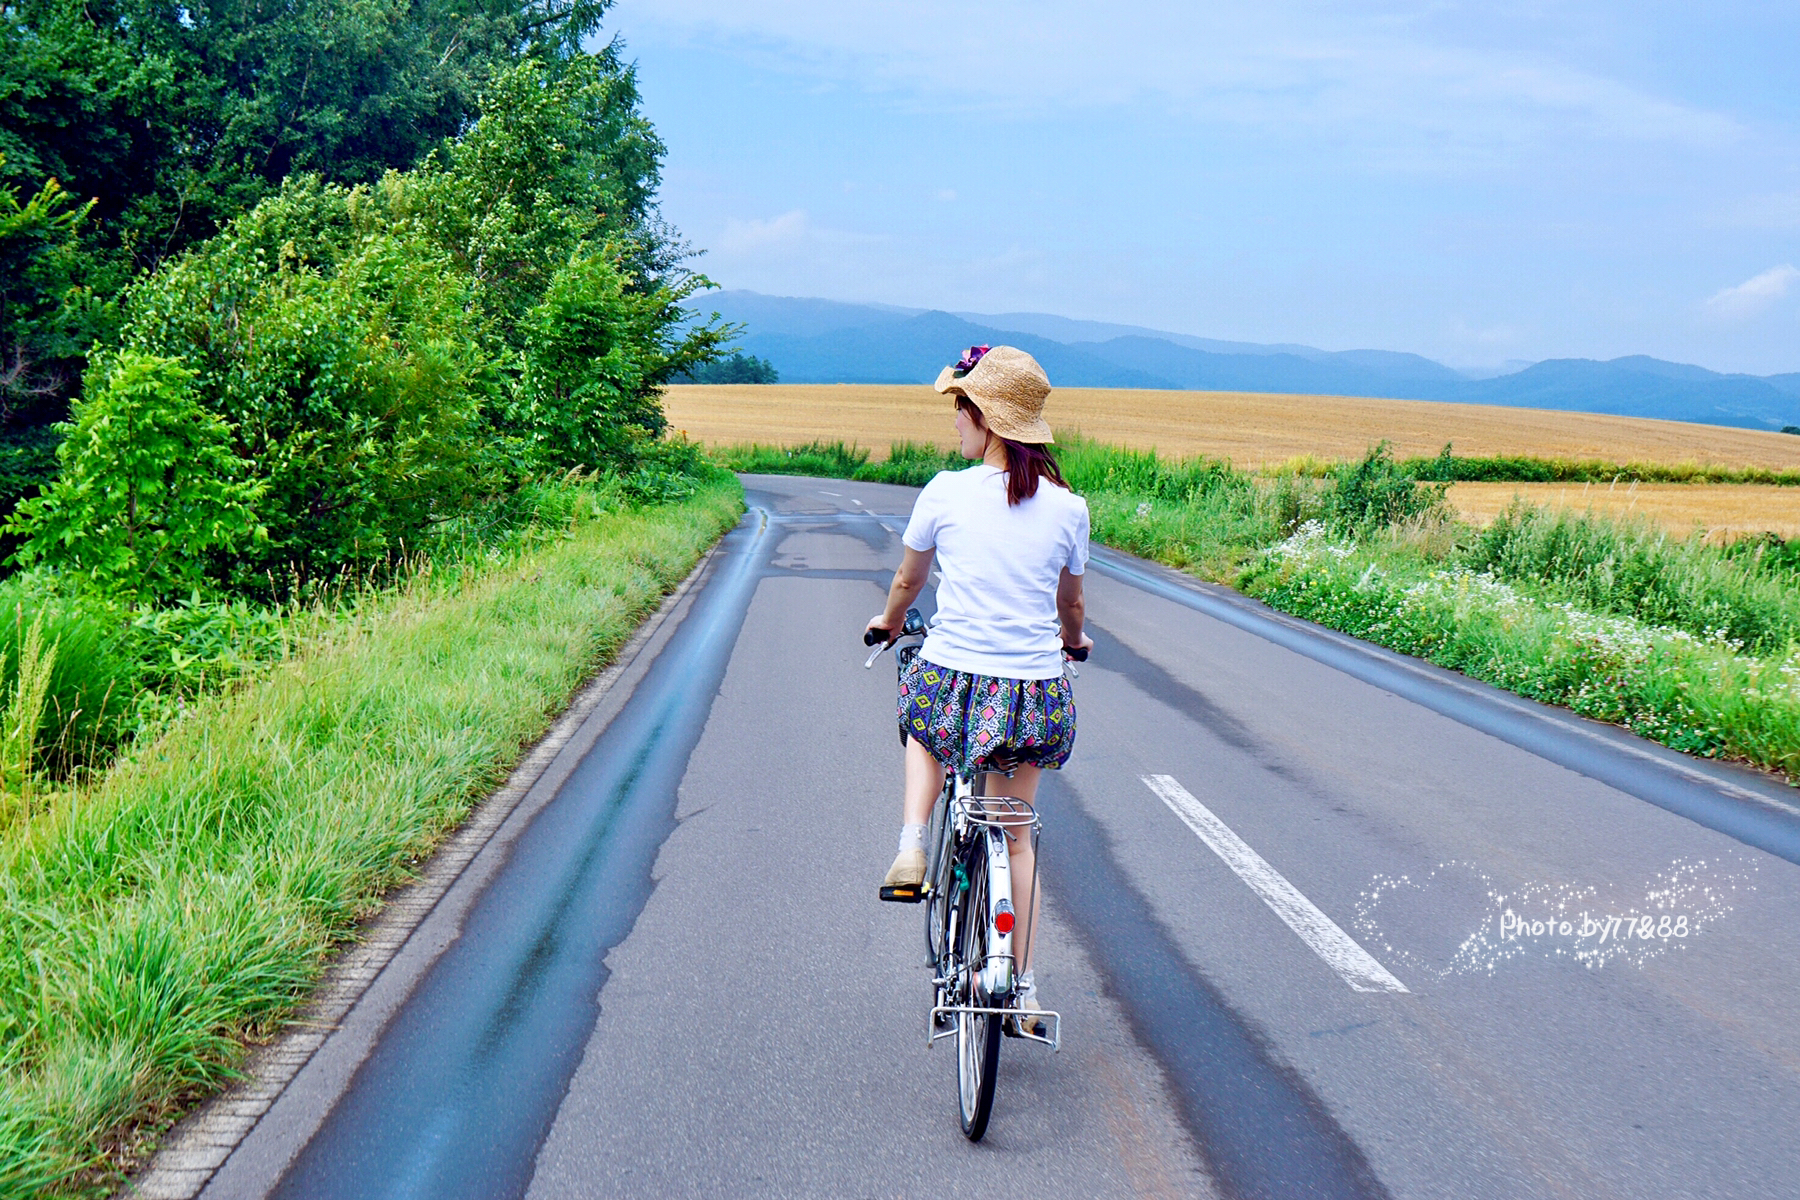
(1079, 650)
(879, 629)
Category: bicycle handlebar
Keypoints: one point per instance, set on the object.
(916, 624)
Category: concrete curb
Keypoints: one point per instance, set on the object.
(200, 1143)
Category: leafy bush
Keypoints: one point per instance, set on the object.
(354, 393)
(148, 487)
(1770, 554)
(27, 463)
(594, 352)
(1377, 492)
(390, 356)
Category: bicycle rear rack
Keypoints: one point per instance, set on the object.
(933, 1034)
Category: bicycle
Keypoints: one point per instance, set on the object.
(970, 916)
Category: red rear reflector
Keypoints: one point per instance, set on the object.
(1004, 922)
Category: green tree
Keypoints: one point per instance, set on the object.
(149, 486)
(47, 318)
(596, 353)
(179, 117)
(170, 120)
(739, 368)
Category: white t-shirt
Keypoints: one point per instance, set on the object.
(996, 602)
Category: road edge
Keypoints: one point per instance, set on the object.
(198, 1145)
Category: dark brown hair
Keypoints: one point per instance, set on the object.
(1026, 462)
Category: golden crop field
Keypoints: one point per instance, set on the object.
(1723, 510)
(1250, 429)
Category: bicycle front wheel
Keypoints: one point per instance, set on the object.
(977, 1034)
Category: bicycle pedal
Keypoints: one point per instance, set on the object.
(905, 893)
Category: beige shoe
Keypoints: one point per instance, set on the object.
(905, 880)
(1025, 1024)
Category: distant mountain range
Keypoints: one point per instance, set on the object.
(825, 341)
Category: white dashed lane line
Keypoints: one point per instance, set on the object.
(1352, 963)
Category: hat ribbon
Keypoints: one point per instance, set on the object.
(968, 361)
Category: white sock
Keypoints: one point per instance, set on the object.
(1027, 985)
(912, 837)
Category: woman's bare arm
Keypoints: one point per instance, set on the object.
(909, 581)
(1071, 610)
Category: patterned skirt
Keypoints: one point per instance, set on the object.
(986, 723)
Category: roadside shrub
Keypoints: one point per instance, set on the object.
(1093, 467)
(354, 393)
(1770, 554)
(594, 353)
(1377, 492)
(27, 463)
(1699, 694)
(149, 486)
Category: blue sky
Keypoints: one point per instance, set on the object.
(1477, 182)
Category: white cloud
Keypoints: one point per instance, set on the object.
(1755, 294)
(757, 235)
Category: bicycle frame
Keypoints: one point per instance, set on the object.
(974, 835)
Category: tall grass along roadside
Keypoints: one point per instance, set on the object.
(1688, 643)
(909, 463)
(1694, 691)
(154, 920)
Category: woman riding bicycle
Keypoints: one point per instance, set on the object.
(987, 691)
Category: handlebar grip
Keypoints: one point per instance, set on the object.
(1077, 653)
(871, 636)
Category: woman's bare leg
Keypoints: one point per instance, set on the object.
(1023, 784)
(924, 781)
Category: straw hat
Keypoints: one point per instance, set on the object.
(1007, 385)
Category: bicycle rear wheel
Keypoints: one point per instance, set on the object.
(977, 1034)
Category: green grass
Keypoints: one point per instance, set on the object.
(1635, 569)
(92, 677)
(153, 921)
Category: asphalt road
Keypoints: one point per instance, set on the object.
(1321, 922)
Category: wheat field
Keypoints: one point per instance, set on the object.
(1254, 429)
(1722, 510)
(1251, 429)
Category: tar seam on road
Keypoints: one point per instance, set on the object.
(457, 1096)
(1263, 1131)
(1661, 777)
(192, 1152)
(1354, 965)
